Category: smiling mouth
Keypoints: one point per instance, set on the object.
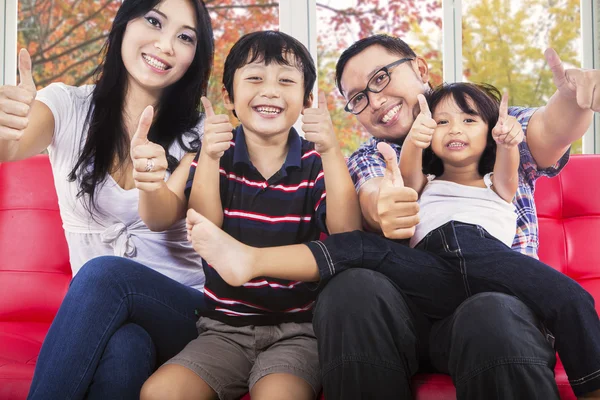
(391, 113)
(268, 110)
(153, 62)
(456, 145)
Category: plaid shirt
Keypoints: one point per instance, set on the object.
(366, 163)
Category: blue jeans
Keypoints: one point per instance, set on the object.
(118, 321)
(457, 261)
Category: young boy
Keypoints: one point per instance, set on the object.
(265, 186)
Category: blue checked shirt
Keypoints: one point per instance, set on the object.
(367, 163)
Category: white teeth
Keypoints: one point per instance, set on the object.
(268, 110)
(456, 144)
(390, 114)
(154, 62)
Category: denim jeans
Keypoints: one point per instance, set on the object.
(457, 261)
(116, 314)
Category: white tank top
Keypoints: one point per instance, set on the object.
(116, 229)
(444, 201)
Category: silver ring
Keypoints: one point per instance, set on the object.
(149, 165)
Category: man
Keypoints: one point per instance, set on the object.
(372, 339)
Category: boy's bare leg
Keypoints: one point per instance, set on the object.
(238, 263)
(175, 382)
(282, 387)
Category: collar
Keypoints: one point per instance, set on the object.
(293, 158)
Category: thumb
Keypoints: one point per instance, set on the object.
(392, 171)
(423, 105)
(208, 108)
(322, 101)
(556, 66)
(25, 75)
(194, 217)
(141, 133)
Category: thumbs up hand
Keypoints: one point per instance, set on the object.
(508, 132)
(16, 101)
(149, 159)
(424, 126)
(217, 132)
(576, 83)
(318, 128)
(397, 208)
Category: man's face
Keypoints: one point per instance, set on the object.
(397, 104)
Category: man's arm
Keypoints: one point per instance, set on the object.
(567, 115)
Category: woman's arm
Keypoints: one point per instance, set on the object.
(26, 125)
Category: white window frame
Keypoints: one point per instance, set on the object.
(8, 42)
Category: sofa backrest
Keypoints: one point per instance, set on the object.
(569, 212)
(34, 258)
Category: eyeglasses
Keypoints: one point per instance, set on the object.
(376, 84)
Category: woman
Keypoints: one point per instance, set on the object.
(123, 314)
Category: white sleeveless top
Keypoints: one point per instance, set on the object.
(444, 201)
(116, 228)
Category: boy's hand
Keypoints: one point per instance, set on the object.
(424, 126)
(508, 132)
(397, 208)
(149, 159)
(575, 83)
(217, 132)
(16, 101)
(318, 128)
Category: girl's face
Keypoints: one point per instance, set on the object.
(459, 138)
(159, 47)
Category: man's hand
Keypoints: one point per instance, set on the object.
(508, 132)
(397, 207)
(317, 125)
(149, 159)
(580, 84)
(16, 101)
(217, 132)
(424, 126)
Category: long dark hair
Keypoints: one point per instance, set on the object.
(177, 112)
(486, 99)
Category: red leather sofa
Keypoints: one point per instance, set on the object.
(35, 271)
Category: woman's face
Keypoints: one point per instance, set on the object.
(159, 46)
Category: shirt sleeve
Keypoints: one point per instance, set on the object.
(190, 180)
(365, 164)
(58, 98)
(528, 169)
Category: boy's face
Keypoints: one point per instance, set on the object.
(268, 99)
(397, 102)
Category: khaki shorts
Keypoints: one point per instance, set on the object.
(232, 359)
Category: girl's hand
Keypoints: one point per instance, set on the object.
(16, 101)
(149, 159)
(424, 126)
(508, 132)
(318, 128)
(217, 132)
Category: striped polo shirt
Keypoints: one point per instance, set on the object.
(288, 208)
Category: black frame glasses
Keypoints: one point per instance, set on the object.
(373, 83)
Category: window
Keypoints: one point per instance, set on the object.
(342, 22)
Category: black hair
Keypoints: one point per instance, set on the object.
(392, 44)
(176, 114)
(486, 100)
(269, 46)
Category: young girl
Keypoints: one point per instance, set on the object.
(472, 167)
(121, 314)
(462, 244)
